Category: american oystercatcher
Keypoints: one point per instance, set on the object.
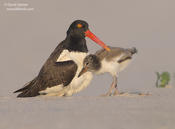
(112, 61)
(59, 74)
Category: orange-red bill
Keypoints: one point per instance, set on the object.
(90, 35)
(83, 71)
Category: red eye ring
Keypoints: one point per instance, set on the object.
(79, 25)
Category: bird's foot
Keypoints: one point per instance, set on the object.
(105, 95)
(116, 92)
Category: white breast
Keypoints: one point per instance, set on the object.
(113, 67)
(78, 83)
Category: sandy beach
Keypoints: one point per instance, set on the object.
(156, 111)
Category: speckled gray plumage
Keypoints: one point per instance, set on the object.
(115, 52)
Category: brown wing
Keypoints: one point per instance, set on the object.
(121, 53)
(51, 74)
(67, 72)
(60, 73)
(113, 53)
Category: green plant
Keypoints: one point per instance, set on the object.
(163, 79)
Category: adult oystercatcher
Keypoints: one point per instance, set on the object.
(59, 74)
(112, 61)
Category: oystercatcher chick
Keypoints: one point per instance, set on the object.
(113, 62)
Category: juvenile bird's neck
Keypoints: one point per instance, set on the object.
(96, 63)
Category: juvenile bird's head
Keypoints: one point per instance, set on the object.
(91, 63)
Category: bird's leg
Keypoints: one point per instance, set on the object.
(109, 93)
(116, 92)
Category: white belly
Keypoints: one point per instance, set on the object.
(113, 67)
(124, 64)
(78, 83)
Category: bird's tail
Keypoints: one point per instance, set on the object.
(133, 50)
(26, 90)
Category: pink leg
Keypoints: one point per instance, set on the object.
(116, 92)
(113, 86)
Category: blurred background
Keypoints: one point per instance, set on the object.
(27, 38)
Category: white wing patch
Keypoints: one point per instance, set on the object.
(65, 56)
(78, 83)
(77, 57)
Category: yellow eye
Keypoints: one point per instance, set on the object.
(79, 25)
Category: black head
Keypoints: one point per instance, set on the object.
(78, 29)
(91, 63)
(76, 34)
